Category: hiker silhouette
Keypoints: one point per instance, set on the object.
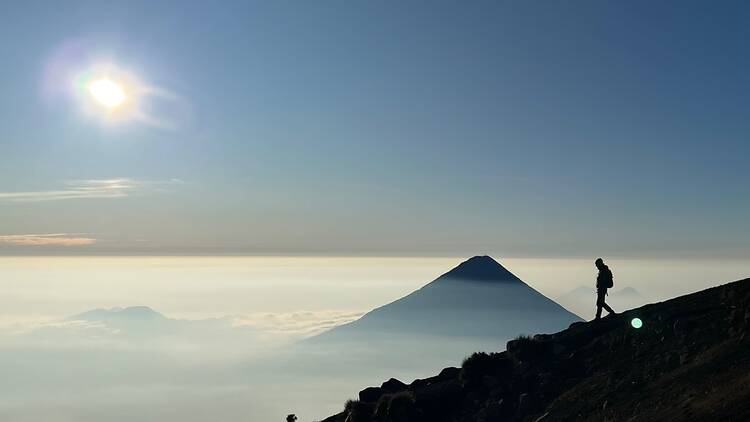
(604, 281)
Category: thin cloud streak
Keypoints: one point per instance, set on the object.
(303, 323)
(91, 189)
(51, 239)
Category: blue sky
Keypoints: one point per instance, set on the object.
(403, 128)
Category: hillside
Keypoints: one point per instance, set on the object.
(690, 360)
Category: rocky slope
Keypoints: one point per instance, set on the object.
(690, 360)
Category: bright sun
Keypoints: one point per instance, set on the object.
(108, 93)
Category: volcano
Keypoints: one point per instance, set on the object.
(478, 304)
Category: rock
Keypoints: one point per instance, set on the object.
(524, 402)
(511, 346)
(677, 328)
(421, 383)
(673, 361)
(444, 393)
(401, 408)
(489, 382)
(449, 373)
(558, 349)
(541, 418)
(393, 385)
(492, 412)
(684, 357)
(370, 394)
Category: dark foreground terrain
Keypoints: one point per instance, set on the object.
(689, 361)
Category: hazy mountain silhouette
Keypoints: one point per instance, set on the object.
(688, 362)
(629, 292)
(478, 298)
(477, 305)
(145, 323)
(132, 321)
(582, 300)
(131, 313)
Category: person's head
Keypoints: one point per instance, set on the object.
(599, 263)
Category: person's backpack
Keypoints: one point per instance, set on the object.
(607, 279)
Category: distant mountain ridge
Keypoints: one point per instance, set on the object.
(582, 300)
(117, 313)
(133, 321)
(145, 323)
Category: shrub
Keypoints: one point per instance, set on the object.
(482, 364)
(357, 411)
(350, 405)
(479, 362)
(526, 349)
(395, 407)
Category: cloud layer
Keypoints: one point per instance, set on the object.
(91, 189)
(51, 239)
(302, 323)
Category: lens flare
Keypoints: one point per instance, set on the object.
(113, 95)
(636, 323)
(108, 93)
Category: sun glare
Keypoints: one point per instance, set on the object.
(114, 95)
(108, 93)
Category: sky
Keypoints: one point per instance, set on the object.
(560, 129)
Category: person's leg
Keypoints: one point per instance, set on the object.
(599, 302)
(604, 303)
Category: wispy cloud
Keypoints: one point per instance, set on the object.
(91, 189)
(51, 239)
(303, 323)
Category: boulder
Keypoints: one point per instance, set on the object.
(393, 385)
(370, 394)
